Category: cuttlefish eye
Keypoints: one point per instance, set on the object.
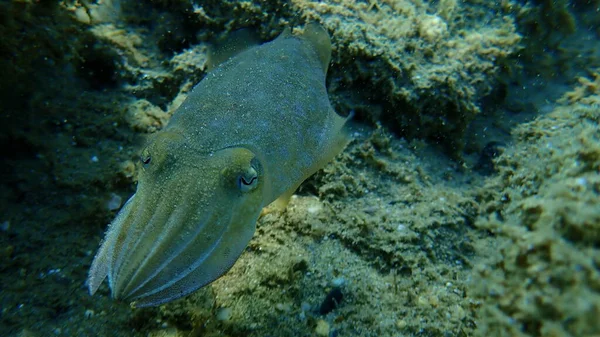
(248, 180)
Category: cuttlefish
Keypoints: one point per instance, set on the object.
(247, 135)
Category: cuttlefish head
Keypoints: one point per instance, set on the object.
(189, 220)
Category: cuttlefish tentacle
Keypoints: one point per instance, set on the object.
(126, 226)
(144, 229)
(103, 262)
(143, 266)
(129, 232)
(208, 250)
(165, 240)
(214, 264)
(179, 241)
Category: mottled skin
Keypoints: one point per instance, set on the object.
(251, 131)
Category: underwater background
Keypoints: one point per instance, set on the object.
(467, 203)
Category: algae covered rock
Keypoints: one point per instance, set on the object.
(544, 279)
(422, 75)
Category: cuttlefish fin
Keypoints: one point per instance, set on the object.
(280, 204)
(319, 39)
(342, 139)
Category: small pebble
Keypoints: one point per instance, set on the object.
(89, 313)
(338, 282)
(322, 328)
(285, 307)
(114, 203)
(224, 314)
(305, 306)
